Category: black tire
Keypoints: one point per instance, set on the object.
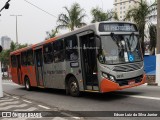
(27, 84)
(73, 87)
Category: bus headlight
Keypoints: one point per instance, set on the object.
(105, 75)
(111, 78)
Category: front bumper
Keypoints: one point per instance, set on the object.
(108, 85)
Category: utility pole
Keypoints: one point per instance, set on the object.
(158, 45)
(16, 26)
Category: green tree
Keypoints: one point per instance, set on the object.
(139, 14)
(73, 19)
(153, 38)
(99, 15)
(51, 34)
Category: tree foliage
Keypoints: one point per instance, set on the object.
(72, 19)
(139, 14)
(153, 38)
(99, 15)
(51, 34)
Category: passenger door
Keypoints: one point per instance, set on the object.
(89, 60)
(39, 66)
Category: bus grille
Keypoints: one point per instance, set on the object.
(123, 82)
(127, 68)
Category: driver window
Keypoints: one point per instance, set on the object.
(71, 48)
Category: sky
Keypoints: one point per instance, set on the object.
(34, 23)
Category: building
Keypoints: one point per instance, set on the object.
(5, 42)
(122, 6)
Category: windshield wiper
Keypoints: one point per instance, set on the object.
(121, 47)
(115, 40)
(128, 41)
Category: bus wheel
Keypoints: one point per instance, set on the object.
(27, 84)
(73, 87)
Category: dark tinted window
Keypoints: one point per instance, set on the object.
(48, 55)
(58, 51)
(13, 61)
(30, 60)
(71, 48)
(24, 58)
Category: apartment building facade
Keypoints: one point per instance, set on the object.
(122, 6)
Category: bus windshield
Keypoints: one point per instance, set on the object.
(118, 49)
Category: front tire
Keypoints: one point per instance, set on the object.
(73, 87)
(27, 84)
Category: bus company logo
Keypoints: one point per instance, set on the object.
(6, 114)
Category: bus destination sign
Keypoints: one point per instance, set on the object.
(117, 27)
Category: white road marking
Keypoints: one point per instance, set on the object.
(13, 106)
(27, 101)
(6, 100)
(14, 119)
(144, 97)
(15, 97)
(29, 109)
(76, 118)
(44, 107)
(10, 84)
(59, 118)
(9, 103)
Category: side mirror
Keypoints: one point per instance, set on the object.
(1, 48)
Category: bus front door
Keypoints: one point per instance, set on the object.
(89, 62)
(39, 67)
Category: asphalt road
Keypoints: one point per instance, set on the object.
(142, 98)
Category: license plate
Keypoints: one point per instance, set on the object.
(131, 82)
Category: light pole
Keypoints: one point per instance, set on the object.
(16, 27)
(158, 45)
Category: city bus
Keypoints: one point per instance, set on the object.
(100, 57)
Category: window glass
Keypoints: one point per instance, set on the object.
(71, 48)
(13, 61)
(30, 60)
(48, 55)
(58, 51)
(24, 59)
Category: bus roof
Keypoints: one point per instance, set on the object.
(78, 30)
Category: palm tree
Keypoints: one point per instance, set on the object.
(73, 19)
(99, 15)
(51, 34)
(153, 38)
(139, 14)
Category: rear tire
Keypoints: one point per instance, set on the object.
(27, 84)
(73, 87)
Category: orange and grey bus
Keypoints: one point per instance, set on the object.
(100, 57)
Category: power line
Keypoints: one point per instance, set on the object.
(40, 9)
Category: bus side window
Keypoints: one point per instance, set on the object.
(30, 60)
(13, 61)
(71, 48)
(58, 51)
(24, 59)
(48, 56)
